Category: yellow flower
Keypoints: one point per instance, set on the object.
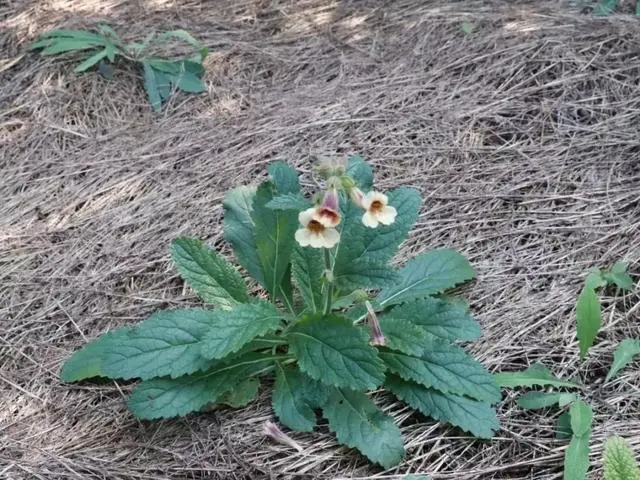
(377, 209)
(317, 231)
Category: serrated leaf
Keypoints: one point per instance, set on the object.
(563, 427)
(576, 459)
(87, 362)
(581, 418)
(358, 423)
(588, 319)
(536, 374)
(473, 416)
(619, 462)
(239, 229)
(403, 335)
(446, 368)
(364, 273)
(274, 238)
(289, 201)
(242, 394)
(284, 177)
(380, 244)
(427, 274)
(307, 265)
(166, 397)
(538, 400)
(151, 86)
(209, 273)
(91, 61)
(605, 8)
(626, 350)
(230, 330)
(360, 170)
(439, 318)
(168, 343)
(289, 402)
(618, 276)
(331, 349)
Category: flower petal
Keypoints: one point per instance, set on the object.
(387, 215)
(304, 237)
(306, 216)
(330, 237)
(328, 217)
(369, 220)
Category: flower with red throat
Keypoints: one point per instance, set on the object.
(329, 210)
(317, 230)
(377, 210)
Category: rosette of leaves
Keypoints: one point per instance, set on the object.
(318, 352)
(161, 76)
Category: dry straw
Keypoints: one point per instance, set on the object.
(522, 137)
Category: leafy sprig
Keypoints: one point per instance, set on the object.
(339, 320)
(161, 76)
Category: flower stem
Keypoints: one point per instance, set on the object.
(329, 292)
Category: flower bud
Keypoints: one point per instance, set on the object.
(377, 336)
(272, 431)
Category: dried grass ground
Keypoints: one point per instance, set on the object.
(523, 138)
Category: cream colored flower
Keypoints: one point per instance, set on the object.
(317, 231)
(329, 210)
(377, 210)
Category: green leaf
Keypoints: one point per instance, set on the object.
(331, 349)
(70, 33)
(467, 27)
(576, 459)
(538, 400)
(618, 276)
(619, 462)
(473, 416)
(151, 86)
(307, 265)
(360, 170)
(163, 83)
(188, 82)
(563, 427)
(239, 229)
(110, 50)
(166, 398)
(289, 201)
(364, 273)
(605, 8)
(289, 402)
(428, 274)
(69, 45)
(638, 8)
(595, 279)
(536, 374)
(403, 335)
(589, 319)
(581, 418)
(274, 237)
(167, 66)
(242, 394)
(168, 343)
(229, 330)
(87, 362)
(627, 349)
(284, 177)
(358, 423)
(208, 273)
(375, 244)
(193, 67)
(446, 368)
(438, 317)
(91, 61)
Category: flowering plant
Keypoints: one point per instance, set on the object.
(351, 324)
